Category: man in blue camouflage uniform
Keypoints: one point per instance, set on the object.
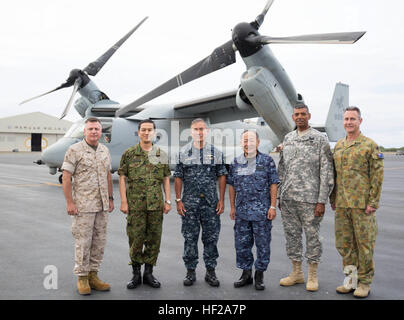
(253, 186)
(198, 168)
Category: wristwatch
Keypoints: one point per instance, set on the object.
(111, 198)
(178, 200)
(168, 202)
(272, 207)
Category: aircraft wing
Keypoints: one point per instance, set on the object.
(107, 108)
(218, 108)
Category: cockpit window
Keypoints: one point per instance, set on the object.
(106, 130)
(76, 130)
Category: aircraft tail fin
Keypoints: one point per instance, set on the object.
(334, 125)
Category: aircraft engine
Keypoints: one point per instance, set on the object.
(242, 101)
(81, 105)
(266, 95)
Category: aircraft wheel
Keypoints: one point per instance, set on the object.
(61, 178)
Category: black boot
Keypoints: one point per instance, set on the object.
(211, 278)
(246, 278)
(137, 277)
(259, 280)
(190, 278)
(148, 277)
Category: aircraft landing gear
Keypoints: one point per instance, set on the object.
(60, 179)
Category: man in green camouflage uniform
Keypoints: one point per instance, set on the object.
(145, 167)
(359, 177)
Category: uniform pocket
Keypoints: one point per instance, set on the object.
(158, 171)
(260, 180)
(134, 169)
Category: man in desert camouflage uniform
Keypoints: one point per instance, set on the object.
(145, 167)
(306, 173)
(253, 185)
(88, 198)
(198, 168)
(359, 178)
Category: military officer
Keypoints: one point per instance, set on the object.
(87, 186)
(306, 173)
(198, 168)
(253, 185)
(359, 177)
(145, 168)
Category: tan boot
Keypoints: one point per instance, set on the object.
(312, 281)
(82, 285)
(343, 290)
(296, 276)
(362, 291)
(96, 283)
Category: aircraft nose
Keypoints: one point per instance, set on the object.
(53, 156)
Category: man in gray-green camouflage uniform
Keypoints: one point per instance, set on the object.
(306, 173)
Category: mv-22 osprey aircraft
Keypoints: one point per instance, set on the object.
(265, 92)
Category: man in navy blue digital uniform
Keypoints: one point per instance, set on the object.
(199, 167)
(253, 185)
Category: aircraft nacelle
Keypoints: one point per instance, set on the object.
(81, 105)
(268, 98)
(243, 103)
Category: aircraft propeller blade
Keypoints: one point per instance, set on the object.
(77, 83)
(221, 57)
(95, 66)
(325, 38)
(260, 18)
(64, 85)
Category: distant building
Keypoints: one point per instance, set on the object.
(31, 131)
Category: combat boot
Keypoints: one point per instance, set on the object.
(95, 282)
(137, 277)
(148, 277)
(211, 278)
(259, 280)
(245, 279)
(346, 288)
(343, 290)
(312, 281)
(83, 286)
(190, 278)
(296, 276)
(362, 291)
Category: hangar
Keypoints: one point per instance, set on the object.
(33, 131)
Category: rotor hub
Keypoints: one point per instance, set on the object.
(240, 34)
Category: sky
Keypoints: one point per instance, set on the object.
(41, 41)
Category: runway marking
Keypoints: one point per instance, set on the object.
(32, 185)
(396, 168)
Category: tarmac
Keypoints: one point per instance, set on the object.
(36, 245)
